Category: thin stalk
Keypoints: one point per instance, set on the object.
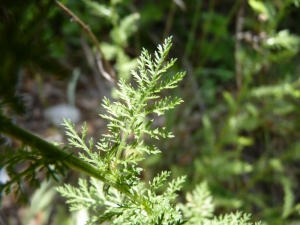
(238, 46)
(170, 19)
(208, 24)
(110, 76)
(191, 37)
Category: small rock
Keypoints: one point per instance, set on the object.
(57, 113)
(3, 176)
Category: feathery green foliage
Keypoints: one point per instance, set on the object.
(123, 147)
(34, 162)
(199, 207)
(125, 199)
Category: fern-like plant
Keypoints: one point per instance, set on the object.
(123, 147)
(120, 196)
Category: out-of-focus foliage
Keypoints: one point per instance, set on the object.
(243, 141)
(25, 40)
(122, 29)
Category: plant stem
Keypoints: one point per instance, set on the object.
(238, 47)
(51, 151)
(109, 76)
(169, 22)
(192, 32)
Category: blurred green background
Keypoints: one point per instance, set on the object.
(239, 126)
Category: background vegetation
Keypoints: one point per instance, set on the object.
(238, 128)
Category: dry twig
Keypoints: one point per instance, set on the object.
(110, 76)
